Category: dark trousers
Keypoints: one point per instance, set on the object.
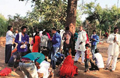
(19, 55)
(8, 49)
(93, 66)
(93, 47)
(86, 64)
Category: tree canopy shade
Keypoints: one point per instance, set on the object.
(101, 19)
(56, 13)
(3, 25)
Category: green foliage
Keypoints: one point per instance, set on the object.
(48, 14)
(3, 25)
(103, 19)
(17, 21)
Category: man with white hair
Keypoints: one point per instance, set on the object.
(80, 45)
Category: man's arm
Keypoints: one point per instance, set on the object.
(97, 39)
(11, 35)
(109, 40)
(17, 39)
(84, 37)
(56, 40)
(118, 41)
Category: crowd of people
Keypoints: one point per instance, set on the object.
(59, 46)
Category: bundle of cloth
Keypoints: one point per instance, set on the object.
(5, 72)
(68, 69)
(59, 58)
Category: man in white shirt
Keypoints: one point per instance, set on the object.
(113, 49)
(9, 42)
(99, 59)
(80, 45)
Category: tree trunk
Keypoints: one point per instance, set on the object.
(109, 29)
(71, 15)
(100, 34)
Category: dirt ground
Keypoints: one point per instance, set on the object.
(92, 74)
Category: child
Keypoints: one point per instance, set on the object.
(87, 57)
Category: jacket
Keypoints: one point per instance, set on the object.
(56, 41)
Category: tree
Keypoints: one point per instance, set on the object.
(3, 25)
(102, 19)
(54, 12)
(71, 15)
(17, 21)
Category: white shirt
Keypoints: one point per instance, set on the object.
(44, 40)
(99, 60)
(113, 48)
(81, 38)
(44, 66)
(40, 33)
(9, 37)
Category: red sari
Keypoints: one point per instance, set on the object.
(36, 44)
(68, 69)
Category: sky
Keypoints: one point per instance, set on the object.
(11, 7)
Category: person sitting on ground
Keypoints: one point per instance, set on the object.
(99, 64)
(99, 59)
(87, 57)
(68, 69)
(44, 70)
(15, 55)
(27, 64)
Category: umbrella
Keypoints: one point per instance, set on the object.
(34, 56)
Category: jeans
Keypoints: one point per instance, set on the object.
(86, 64)
(93, 50)
(8, 50)
(29, 70)
(53, 59)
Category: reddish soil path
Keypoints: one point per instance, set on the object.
(92, 74)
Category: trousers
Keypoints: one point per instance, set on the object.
(78, 54)
(93, 50)
(53, 59)
(110, 57)
(8, 50)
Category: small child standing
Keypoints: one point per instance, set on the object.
(87, 57)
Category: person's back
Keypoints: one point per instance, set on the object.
(68, 69)
(44, 40)
(44, 67)
(99, 60)
(36, 43)
(56, 40)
